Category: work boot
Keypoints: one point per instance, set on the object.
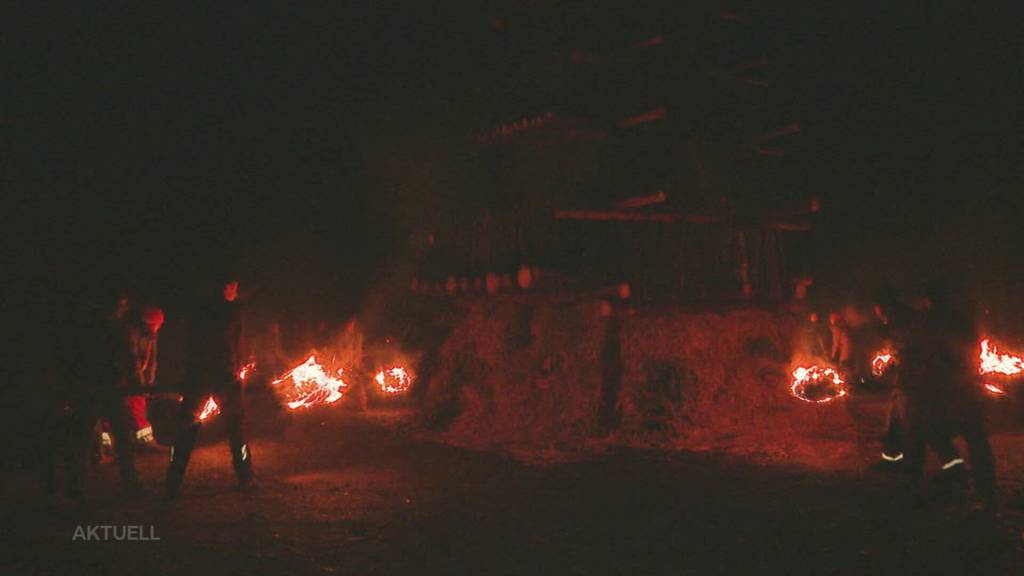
(247, 484)
(106, 449)
(173, 483)
(241, 458)
(171, 490)
(146, 442)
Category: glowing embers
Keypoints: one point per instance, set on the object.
(881, 362)
(816, 384)
(311, 385)
(209, 410)
(394, 380)
(994, 389)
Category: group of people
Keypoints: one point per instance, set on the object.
(120, 367)
(930, 349)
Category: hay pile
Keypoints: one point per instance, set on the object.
(704, 380)
(517, 373)
(526, 374)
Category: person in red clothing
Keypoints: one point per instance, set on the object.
(144, 337)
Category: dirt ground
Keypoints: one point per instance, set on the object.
(369, 494)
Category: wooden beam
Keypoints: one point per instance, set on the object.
(787, 130)
(626, 216)
(650, 116)
(658, 197)
(666, 218)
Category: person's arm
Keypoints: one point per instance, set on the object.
(234, 337)
(151, 365)
(139, 350)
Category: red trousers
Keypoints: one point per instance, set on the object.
(136, 407)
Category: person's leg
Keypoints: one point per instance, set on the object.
(183, 442)
(918, 426)
(137, 407)
(84, 422)
(233, 412)
(982, 461)
(124, 441)
(46, 445)
(895, 429)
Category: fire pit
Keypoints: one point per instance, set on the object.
(310, 384)
(394, 380)
(817, 385)
(881, 363)
(993, 364)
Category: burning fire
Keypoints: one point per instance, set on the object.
(394, 380)
(994, 389)
(311, 385)
(992, 362)
(881, 362)
(246, 371)
(816, 384)
(209, 410)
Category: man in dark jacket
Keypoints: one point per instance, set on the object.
(104, 363)
(898, 324)
(215, 359)
(944, 397)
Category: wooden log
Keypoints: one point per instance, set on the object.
(725, 75)
(652, 41)
(650, 116)
(658, 197)
(773, 223)
(787, 130)
(624, 216)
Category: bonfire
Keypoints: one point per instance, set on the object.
(816, 384)
(992, 363)
(395, 380)
(310, 384)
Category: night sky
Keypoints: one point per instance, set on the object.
(302, 143)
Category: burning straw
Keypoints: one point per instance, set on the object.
(816, 384)
(309, 384)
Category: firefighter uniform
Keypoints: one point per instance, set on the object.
(109, 367)
(216, 356)
(144, 339)
(896, 334)
(944, 398)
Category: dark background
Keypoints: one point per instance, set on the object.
(151, 147)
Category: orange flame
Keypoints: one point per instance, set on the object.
(881, 362)
(992, 362)
(817, 385)
(246, 371)
(994, 389)
(311, 385)
(209, 410)
(394, 380)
